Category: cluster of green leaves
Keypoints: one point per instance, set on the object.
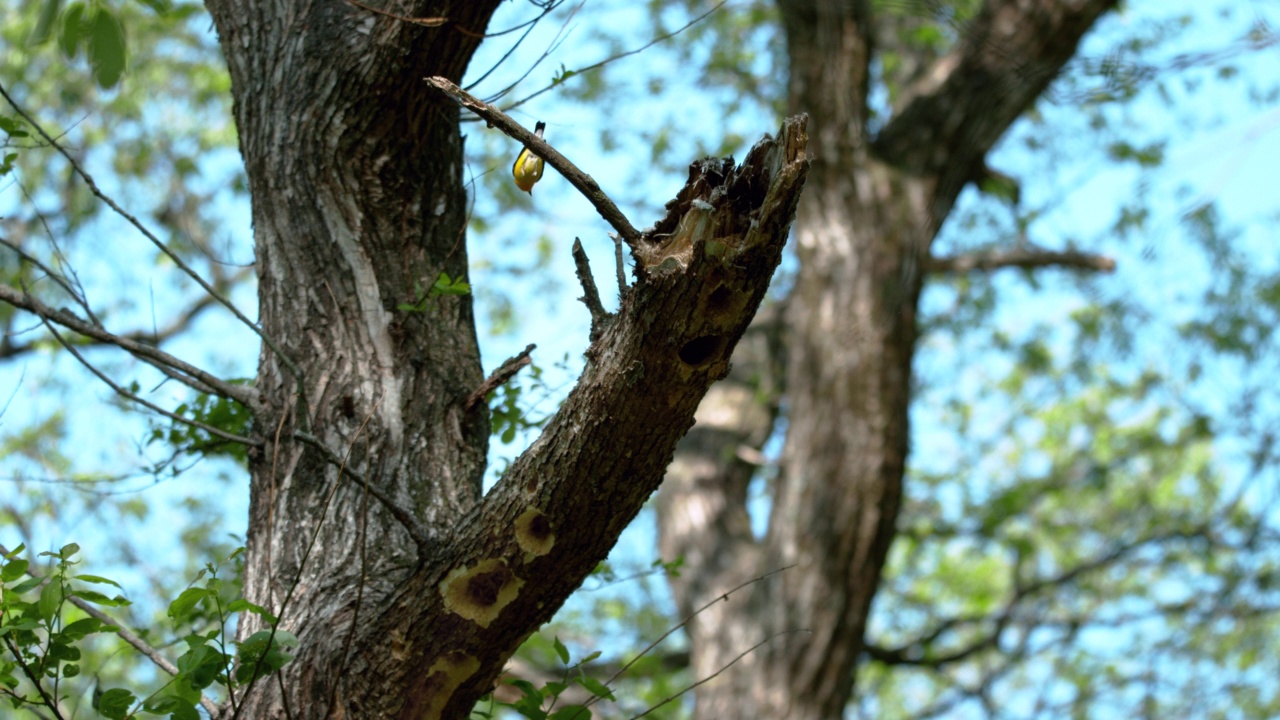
(539, 703)
(92, 26)
(443, 286)
(13, 130)
(42, 633)
(508, 415)
(212, 410)
(208, 659)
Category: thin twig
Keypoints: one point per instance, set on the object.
(717, 673)
(177, 260)
(32, 677)
(306, 555)
(410, 524)
(1026, 258)
(154, 356)
(622, 268)
(722, 596)
(499, 377)
(619, 56)
(424, 22)
(55, 276)
(600, 318)
(232, 437)
(580, 180)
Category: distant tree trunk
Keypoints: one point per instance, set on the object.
(407, 590)
(865, 224)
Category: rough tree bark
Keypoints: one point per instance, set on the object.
(873, 205)
(407, 589)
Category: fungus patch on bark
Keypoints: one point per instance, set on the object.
(443, 678)
(534, 533)
(479, 593)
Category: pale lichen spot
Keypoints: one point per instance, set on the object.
(534, 533)
(400, 645)
(479, 593)
(442, 679)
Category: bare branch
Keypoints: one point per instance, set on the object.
(186, 373)
(499, 377)
(1027, 258)
(410, 524)
(182, 265)
(717, 673)
(966, 101)
(232, 437)
(580, 180)
(600, 317)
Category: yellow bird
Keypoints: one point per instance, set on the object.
(528, 167)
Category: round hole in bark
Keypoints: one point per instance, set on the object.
(699, 350)
(483, 588)
(719, 299)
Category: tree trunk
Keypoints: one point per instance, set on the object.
(368, 535)
(863, 231)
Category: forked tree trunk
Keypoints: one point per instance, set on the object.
(367, 530)
(865, 224)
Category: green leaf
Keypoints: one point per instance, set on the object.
(81, 628)
(181, 607)
(595, 687)
(106, 48)
(68, 551)
(24, 586)
(571, 712)
(159, 6)
(242, 605)
(13, 570)
(6, 126)
(98, 580)
(50, 599)
(98, 598)
(44, 24)
(254, 654)
(561, 650)
(115, 703)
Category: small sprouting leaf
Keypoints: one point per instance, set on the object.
(68, 551)
(21, 546)
(106, 48)
(561, 650)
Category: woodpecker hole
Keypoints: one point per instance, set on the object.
(702, 349)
